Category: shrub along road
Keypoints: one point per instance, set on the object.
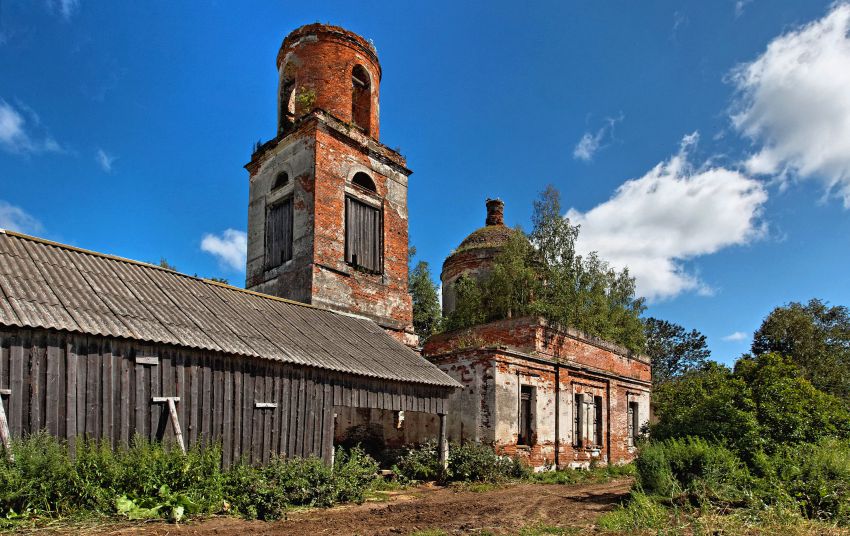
(501, 510)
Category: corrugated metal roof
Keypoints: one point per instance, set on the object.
(49, 285)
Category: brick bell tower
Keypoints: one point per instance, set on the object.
(327, 217)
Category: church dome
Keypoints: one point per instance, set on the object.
(475, 255)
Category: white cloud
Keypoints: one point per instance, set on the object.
(230, 248)
(105, 160)
(590, 143)
(65, 8)
(737, 336)
(674, 213)
(16, 138)
(794, 104)
(17, 219)
(739, 7)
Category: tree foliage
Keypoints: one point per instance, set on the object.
(762, 403)
(427, 315)
(541, 274)
(816, 337)
(673, 350)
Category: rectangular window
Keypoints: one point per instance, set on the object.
(633, 423)
(363, 244)
(279, 222)
(578, 421)
(526, 397)
(597, 418)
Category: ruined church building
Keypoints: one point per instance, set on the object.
(320, 345)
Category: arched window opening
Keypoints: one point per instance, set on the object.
(364, 181)
(287, 99)
(361, 98)
(280, 181)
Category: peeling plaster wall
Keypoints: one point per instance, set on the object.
(522, 352)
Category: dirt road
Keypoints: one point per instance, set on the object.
(500, 511)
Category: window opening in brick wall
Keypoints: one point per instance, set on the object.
(279, 237)
(280, 181)
(361, 98)
(633, 424)
(597, 418)
(526, 415)
(363, 243)
(364, 181)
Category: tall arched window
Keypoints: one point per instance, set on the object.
(287, 98)
(361, 98)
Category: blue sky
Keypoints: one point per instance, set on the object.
(704, 144)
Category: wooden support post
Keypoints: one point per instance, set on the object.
(175, 422)
(444, 443)
(5, 436)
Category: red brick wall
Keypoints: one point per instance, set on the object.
(321, 58)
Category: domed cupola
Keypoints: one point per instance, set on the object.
(475, 254)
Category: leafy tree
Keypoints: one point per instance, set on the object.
(816, 337)
(427, 315)
(541, 274)
(710, 403)
(673, 350)
(763, 403)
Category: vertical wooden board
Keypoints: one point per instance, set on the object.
(310, 413)
(226, 413)
(222, 366)
(70, 393)
(316, 416)
(35, 421)
(82, 383)
(51, 418)
(274, 433)
(93, 388)
(206, 416)
(247, 394)
(165, 373)
(257, 415)
(268, 414)
(106, 401)
(153, 378)
(374, 398)
(124, 436)
(181, 388)
(195, 390)
(62, 388)
(142, 401)
(327, 423)
(285, 407)
(236, 408)
(296, 412)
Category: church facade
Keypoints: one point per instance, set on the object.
(328, 226)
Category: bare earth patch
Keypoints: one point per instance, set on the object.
(502, 510)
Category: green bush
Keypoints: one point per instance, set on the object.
(418, 463)
(468, 462)
(146, 480)
(816, 476)
(693, 467)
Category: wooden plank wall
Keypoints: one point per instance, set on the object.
(88, 386)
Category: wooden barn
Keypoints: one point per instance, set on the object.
(102, 347)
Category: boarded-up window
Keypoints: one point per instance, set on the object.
(363, 244)
(525, 414)
(634, 428)
(279, 233)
